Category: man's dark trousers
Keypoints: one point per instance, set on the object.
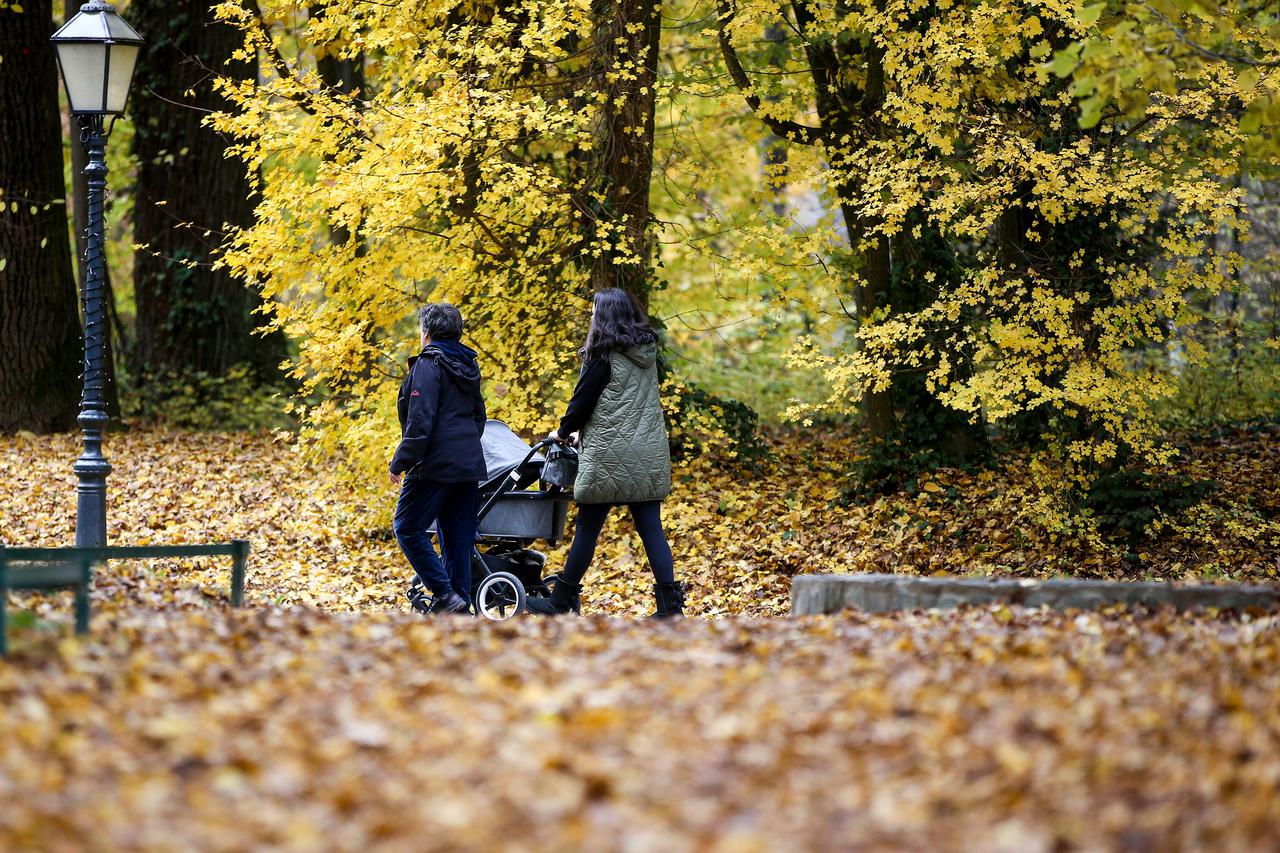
(453, 507)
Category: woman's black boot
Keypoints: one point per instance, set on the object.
(670, 597)
(565, 598)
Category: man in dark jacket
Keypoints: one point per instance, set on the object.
(440, 459)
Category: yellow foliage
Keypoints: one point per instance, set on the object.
(975, 141)
(328, 724)
(450, 177)
(456, 173)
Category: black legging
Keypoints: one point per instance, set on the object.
(648, 519)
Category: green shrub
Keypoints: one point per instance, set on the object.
(1233, 385)
(1124, 503)
(701, 422)
(235, 402)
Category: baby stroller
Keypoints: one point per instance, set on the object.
(512, 516)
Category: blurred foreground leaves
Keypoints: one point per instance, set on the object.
(997, 729)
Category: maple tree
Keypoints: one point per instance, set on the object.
(894, 271)
(486, 159)
(1087, 241)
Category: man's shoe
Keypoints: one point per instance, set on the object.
(670, 598)
(450, 602)
(565, 598)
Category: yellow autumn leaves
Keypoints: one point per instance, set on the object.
(458, 172)
(301, 730)
(738, 531)
(327, 715)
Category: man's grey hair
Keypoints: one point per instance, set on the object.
(441, 321)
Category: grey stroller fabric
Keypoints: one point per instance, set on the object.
(504, 450)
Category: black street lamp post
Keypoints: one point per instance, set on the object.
(96, 51)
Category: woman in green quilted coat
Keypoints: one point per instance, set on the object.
(615, 418)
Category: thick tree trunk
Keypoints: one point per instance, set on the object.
(627, 35)
(775, 147)
(876, 274)
(190, 317)
(344, 75)
(877, 406)
(922, 419)
(40, 351)
(846, 111)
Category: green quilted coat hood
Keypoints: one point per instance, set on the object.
(625, 456)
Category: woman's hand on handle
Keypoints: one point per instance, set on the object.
(555, 436)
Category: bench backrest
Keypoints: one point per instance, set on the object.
(60, 568)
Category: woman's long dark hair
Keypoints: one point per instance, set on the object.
(618, 324)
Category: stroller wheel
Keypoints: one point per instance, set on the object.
(418, 597)
(500, 596)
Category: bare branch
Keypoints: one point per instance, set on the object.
(277, 60)
(1206, 53)
(790, 130)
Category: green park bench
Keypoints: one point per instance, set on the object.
(63, 568)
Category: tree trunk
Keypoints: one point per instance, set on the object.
(923, 422)
(344, 75)
(40, 351)
(190, 317)
(876, 274)
(626, 34)
(775, 147)
(847, 112)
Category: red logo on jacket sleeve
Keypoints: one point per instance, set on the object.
(415, 394)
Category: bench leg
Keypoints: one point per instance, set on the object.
(82, 596)
(240, 559)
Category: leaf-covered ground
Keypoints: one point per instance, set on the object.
(979, 729)
(738, 536)
(183, 724)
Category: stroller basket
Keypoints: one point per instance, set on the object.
(526, 515)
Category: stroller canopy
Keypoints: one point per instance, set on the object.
(504, 450)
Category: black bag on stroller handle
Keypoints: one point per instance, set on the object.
(561, 467)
